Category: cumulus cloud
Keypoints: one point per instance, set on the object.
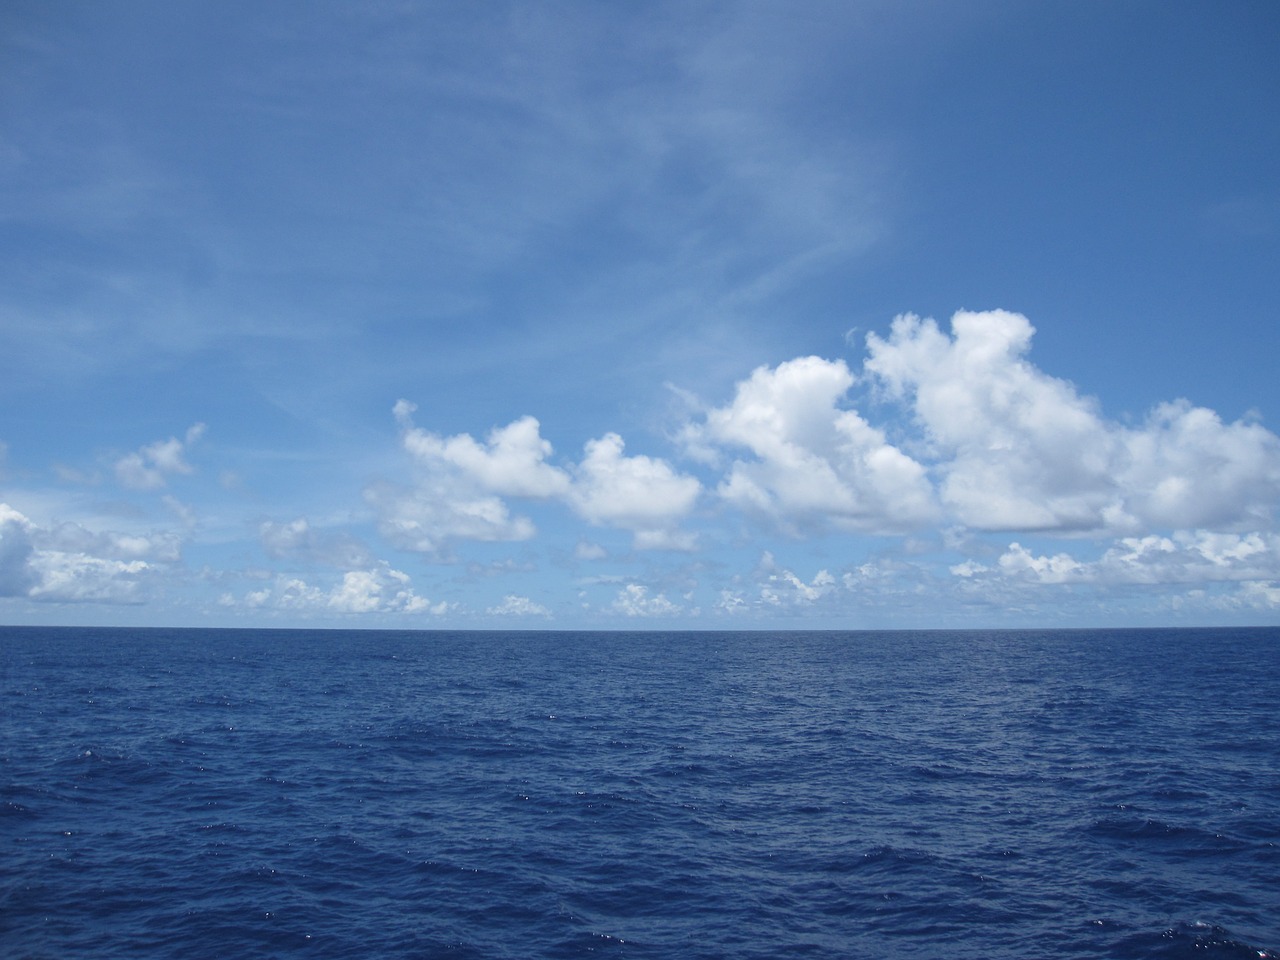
(70, 563)
(785, 587)
(640, 494)
(634, 600)
(1183, 557)
(517, 606)
(458, 490)
(511, 461)
(1197, 556)
(813, 464)
(149, 467)
(1186, 468)
(377, 589)
(1017, 561)
(461, 484)
(80, 578)
(1002, 446)
(1017, 449)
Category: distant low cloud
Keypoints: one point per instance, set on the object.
(781, 587)
(1199, 556)
(379, 589)
(517, 606)
(634, 600)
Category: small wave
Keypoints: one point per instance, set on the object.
(1186, 840)
(1193, 941)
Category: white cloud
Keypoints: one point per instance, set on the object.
(516, 606)
(1017, 561)
(640, 494)
(969, 568)
(732, 602)
(70, 563)
(147, 468)
(1192, 557)
(79, 577)
(1186, 468)
(1183, 557)
(814, 464)
(457, 494)
(1017, 449)
(461, 483)
(1258, 595)
(785, 587)
(633, 600)
(781, 587)
(511, 462)
(378, 589)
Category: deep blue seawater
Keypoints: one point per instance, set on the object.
(211, 794)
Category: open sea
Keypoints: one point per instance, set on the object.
(200, 794)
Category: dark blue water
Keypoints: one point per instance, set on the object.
(193, 794)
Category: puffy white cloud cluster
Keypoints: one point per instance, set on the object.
(149, 467)
(640, 494)
(977, 441)
(461, 482)
(1002, 445)
(634, 600)
(1199, 556)
(779, 586)
(990, 444)
(1016, 449)
(377, 589)
(69, 563)
(778, 589)
(513, 605)
(804, 461)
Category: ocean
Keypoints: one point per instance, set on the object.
(952, 794)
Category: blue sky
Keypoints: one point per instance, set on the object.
(705, 315)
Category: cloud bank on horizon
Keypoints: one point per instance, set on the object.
(541, 317)
(988, 447)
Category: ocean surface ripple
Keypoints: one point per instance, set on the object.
(217, 793)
